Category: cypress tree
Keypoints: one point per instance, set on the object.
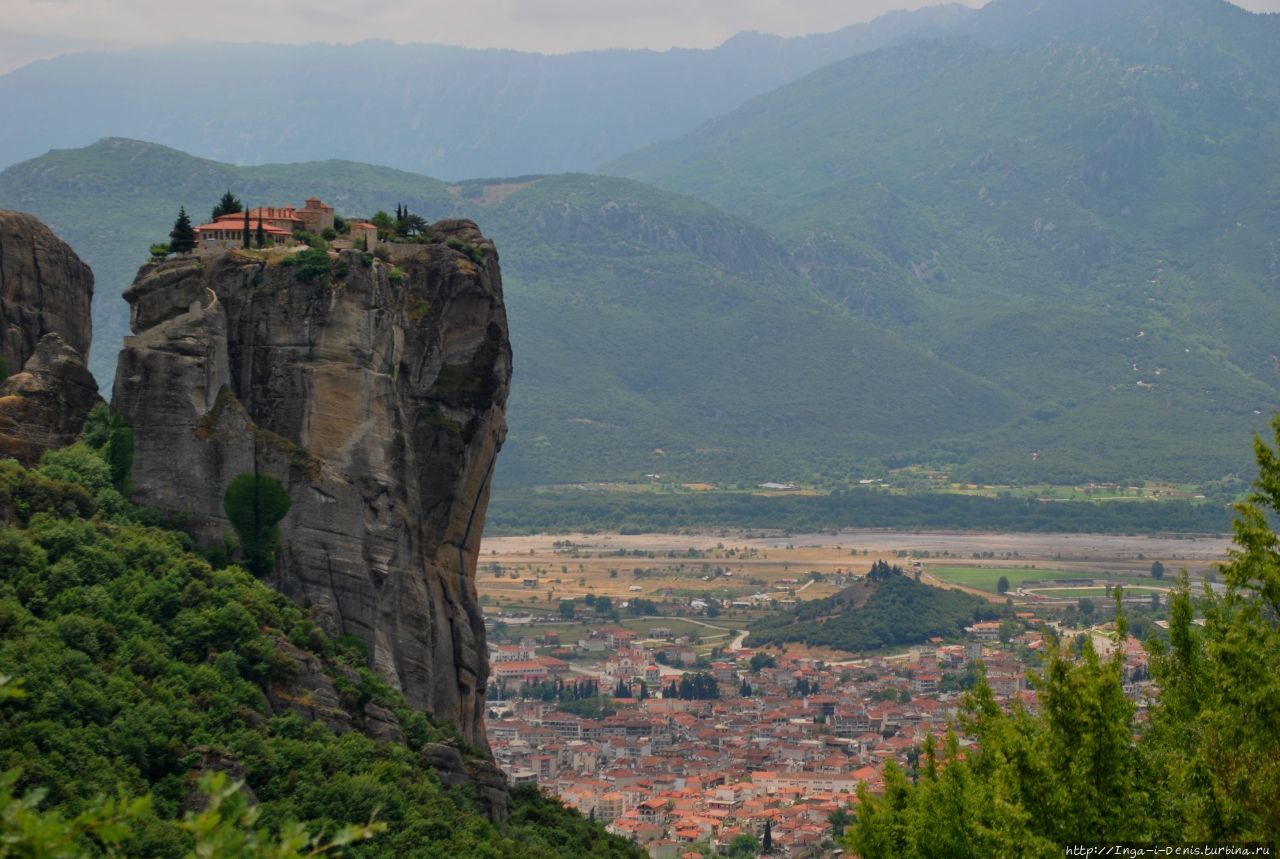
(246, 229)
(262, 235)
(182, 238)
(255, 504)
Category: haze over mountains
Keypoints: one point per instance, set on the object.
(445, 111)
(1043, 245)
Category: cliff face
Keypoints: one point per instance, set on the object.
(45, 329)
(375, 394)
(44, 289)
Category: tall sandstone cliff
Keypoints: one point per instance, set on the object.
(46, 389)
(375, 394)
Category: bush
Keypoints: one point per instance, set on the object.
(255, 504)
(313, 264)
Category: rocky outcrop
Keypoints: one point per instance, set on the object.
(46, 390)
(44, 289)
(375, 394)
(45, 405)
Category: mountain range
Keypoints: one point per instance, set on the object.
(1039, 244)
(447, 111)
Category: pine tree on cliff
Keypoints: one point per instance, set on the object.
(261, 237)
(182, 238)
(228, 205)
(246, 229)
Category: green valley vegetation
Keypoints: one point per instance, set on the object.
(255, 504)
(887, 608)
(529, 511)
(1205, 766)
(147, 677)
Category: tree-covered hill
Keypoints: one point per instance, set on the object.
(887, 608)
(651, 332)
(1076, 201)
(1080, 768)
(140, 666)
(437, 109)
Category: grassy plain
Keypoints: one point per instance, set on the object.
(673, 569)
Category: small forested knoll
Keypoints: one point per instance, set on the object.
(887, 608)
(1205, 767)
(132, 666)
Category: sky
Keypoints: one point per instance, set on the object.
(36, 29)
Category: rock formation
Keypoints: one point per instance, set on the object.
(45, 405)
(45, 329)
(375, 393)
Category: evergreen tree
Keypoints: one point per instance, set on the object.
(766, 843)
(255, 504)
(261, 237)
(246, 229)
(228, 205)
(118, 452)
(182, 238)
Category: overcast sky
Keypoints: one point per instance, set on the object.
(34, 29)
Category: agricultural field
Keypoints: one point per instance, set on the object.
(1075, 593)
(535, 573)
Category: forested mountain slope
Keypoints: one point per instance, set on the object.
(140, 666)
(1075, 201)
(652, 333)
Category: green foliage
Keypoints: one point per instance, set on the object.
(1002, 585)
(530, 511)
(77, 464)
(228, 828)
(228, 205)
(118, 453)
(255, 504)
(1157, 570)
(1205, 768)
(182, 238)
(313, 264)
(886, 611)
(144, 667)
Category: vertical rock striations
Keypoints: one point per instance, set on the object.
(44, 289)
(375, 394)
(46, 389)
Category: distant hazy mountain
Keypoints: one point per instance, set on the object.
(446, 111)
(1078, 200)
(652, 332)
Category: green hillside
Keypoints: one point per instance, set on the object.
(1078, 203)
(886, 609)
(140, 666)
(652, 332)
